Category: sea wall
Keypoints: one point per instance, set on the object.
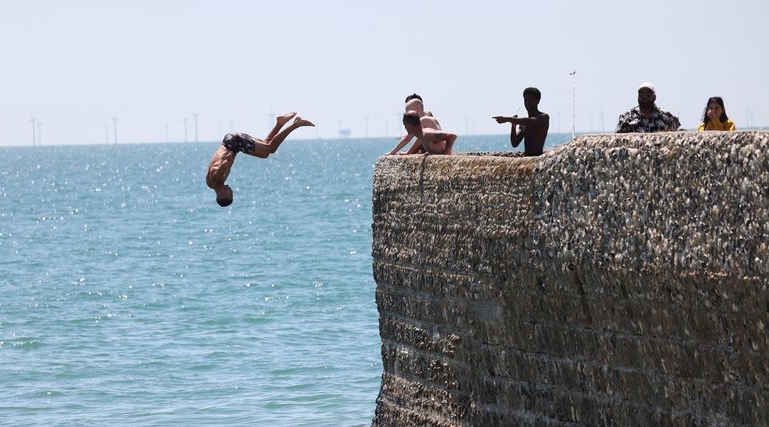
(617, 280)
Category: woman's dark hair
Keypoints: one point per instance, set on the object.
(413, 96)
(719, 101)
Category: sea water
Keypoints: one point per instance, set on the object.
(129, 297)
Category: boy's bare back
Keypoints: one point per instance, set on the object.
(219, 166)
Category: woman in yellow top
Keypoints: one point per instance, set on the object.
(715, 116)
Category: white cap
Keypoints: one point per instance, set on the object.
(648, 86)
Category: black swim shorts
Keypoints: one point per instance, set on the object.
(239, 142)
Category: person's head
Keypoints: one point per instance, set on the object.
(715, 104)
(223, 195)
(646, 95)
(531, 97)
(411, 121)
(413, 96)
(414, 103)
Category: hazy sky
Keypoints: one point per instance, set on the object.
(76, 64)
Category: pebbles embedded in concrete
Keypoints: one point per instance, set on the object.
(615, 280)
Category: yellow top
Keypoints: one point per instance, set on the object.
(727, 125)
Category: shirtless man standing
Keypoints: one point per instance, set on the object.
(414, 103)
(234, 143)
(533, 128)
(432, 141)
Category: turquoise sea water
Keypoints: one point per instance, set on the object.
(128, 297)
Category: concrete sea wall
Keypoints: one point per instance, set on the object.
(617, 280)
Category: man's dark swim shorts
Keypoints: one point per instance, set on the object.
(239, 142)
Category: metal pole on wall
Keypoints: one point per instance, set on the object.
(573, 105)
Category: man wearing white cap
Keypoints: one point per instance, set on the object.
(646, 117)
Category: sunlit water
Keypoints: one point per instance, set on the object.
(128, 297)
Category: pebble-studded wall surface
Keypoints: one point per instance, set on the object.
(616, 280)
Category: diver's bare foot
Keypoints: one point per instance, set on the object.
(284, 118)
(299, 122)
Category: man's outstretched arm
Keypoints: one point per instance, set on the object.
(528, 121)
(402, 143)
(515, 136)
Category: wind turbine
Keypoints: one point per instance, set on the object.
(747, 117)
(195, 115)
(603, 128)
(34, 130)
(114, 127)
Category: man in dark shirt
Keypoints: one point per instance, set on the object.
(533, 128)
(646, 117)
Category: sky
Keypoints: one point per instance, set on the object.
(75, 65)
